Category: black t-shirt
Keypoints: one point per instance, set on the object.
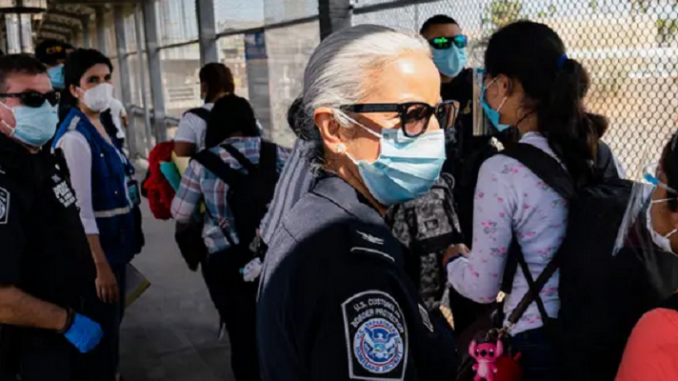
(44, 247)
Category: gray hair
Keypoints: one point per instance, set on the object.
(338, 72)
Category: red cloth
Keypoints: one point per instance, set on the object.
(509, 369)
(159, 191)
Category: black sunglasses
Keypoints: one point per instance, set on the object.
(414, 116)
(35, 99)
(460, 41)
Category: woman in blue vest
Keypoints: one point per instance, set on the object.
(102, 179)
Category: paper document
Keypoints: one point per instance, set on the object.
(135, 285)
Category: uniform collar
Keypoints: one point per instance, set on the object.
(17, 161)
(342, 194)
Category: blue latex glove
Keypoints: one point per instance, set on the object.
(84, 334)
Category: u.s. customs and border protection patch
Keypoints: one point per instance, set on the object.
(376, 336)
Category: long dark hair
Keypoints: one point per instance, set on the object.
(75, 67)
(669, 165)
(231, 116)
(534, 54)
(218, 79)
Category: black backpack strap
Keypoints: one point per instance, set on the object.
(554, 175)
(214, 164)
(535, 288)
(269, 156)
(548, 170)
(200, 112)
(237, 155)
(545, 167)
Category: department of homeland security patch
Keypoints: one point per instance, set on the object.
(4, 206)
(376, 336)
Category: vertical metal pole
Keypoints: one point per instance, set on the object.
(123, 67)
(99, 21)
(155, 70)
(86, 38)
(334, 15)
(207, 31)
(21, 32)
(13, 34)
(142, 75)
(26, 30)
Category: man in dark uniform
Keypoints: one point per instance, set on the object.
(465, 152)
(355, 315)
(46, 270)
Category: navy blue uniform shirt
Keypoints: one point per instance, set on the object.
(335, 302)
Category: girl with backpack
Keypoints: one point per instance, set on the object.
(530, 84)
(235, 176)
(652, 349)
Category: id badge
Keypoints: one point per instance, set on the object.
(133, 192)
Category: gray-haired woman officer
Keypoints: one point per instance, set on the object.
(335, 302)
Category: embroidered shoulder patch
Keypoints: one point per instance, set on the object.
(376, 336)
(4, 206)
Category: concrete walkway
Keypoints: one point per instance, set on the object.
(170, 333)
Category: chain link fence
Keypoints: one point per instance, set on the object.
(628, 46)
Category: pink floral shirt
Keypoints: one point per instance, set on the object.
(510, 199)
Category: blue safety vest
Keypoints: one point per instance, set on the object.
(112, 208)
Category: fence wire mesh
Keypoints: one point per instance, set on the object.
(630, 48)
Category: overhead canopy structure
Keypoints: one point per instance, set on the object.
(25, 22)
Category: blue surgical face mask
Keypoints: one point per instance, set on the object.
(493, 115)
(56, 75)
(406, 168)
(450, 62)
(35, 126)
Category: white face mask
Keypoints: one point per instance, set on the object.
(662, 241)
(98, 98)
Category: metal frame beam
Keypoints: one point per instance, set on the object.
(390, 5)
(57, 23)
(123, 68)
(101, 29)
(65, 37)
(69, 15)
(268, 27)
(139, 26)
(86, 35)
(53, 35)
(207, 31)
(58, 28)
(155, 70)
(334, 15)
(97, 2)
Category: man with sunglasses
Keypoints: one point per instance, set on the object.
(465, 154)
(46, 270)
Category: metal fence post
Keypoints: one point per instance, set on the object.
(123, 68)
(207, 31)
(155, 70)
(334, 15)
(86, 38)
(99, 21)
(139, 26)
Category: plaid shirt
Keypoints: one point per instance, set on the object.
(198, 184)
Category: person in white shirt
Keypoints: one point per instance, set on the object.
(216, 80)
(120, 120)
(532, 85)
